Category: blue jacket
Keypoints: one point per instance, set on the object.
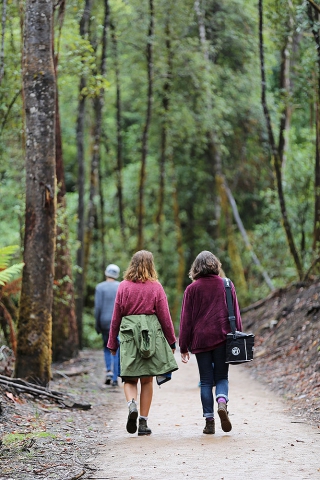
(104, 299)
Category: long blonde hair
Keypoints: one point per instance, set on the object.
(141, 268)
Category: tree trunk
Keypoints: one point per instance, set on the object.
(233, 251)
(164, 135)
(98, 103)
(245, 236)
(141, 210)
(119, 136)
(314, 14)
(65, 343)
(3, 31)
(79, 283)
(35, 321)
(179, 248)
(277, 153)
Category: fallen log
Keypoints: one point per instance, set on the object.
(37, 390)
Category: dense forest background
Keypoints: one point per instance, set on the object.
(185, 126)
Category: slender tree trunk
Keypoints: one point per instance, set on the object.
(79, 283)
(277, 153)
(314, 16)
(141, 210)
(179, 249)
(65, 342)
(244, 234)
(164, 135)
(98, 103)
(35, 321)
(3, 31)
(119, 136)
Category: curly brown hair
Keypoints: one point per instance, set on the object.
(205, 264)
(141, 268)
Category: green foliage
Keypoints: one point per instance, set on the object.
(220, 94)
(8, 273)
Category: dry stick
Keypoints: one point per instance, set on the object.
(75, 477)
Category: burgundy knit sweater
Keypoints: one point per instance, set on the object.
(204, 320)
(136, 298)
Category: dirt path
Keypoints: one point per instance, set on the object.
(266, 442)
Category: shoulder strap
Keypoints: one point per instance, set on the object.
(232, 318)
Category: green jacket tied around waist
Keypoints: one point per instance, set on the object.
(144, 350)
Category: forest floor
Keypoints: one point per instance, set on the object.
(274, 407)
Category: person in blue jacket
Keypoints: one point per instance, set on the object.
(104, 299)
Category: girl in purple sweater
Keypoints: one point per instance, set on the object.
(204, 325)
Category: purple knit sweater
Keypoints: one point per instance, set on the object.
(204, 320)
(136, 298)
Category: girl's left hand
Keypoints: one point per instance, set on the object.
(185, 357)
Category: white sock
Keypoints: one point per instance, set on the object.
(143, 418)
(130, 401)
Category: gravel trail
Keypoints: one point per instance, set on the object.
(266, 441)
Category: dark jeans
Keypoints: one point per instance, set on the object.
(213, 371)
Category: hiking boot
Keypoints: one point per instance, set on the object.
(224, 418)
(143, 427)
(209, 428)
(132, 417)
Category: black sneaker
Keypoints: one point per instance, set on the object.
(132, 417)
(114, 383)
(108, 378)
(143, 427)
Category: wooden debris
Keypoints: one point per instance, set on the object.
(21, 386)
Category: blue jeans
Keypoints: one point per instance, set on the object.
(213, 372)
(112, 362)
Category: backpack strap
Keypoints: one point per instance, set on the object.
(232, 318)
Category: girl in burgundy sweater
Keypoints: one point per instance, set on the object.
(204, 325)
(141, 295)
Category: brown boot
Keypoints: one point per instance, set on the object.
(209, 428)
(224, 418)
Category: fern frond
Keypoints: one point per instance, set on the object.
(6, 254)
(10, 272)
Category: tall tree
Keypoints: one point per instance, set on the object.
(98, 103)
(35, 321)
(119, 133)
(3, 30)
(79, 281)
(65, 342)
(144, 145)
(314, 17)
(277, 152)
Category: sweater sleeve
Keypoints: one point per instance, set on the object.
(115, 323)
(164, 317)
(236, 309)
(185, 323)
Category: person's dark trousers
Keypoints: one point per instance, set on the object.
(213, 371)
